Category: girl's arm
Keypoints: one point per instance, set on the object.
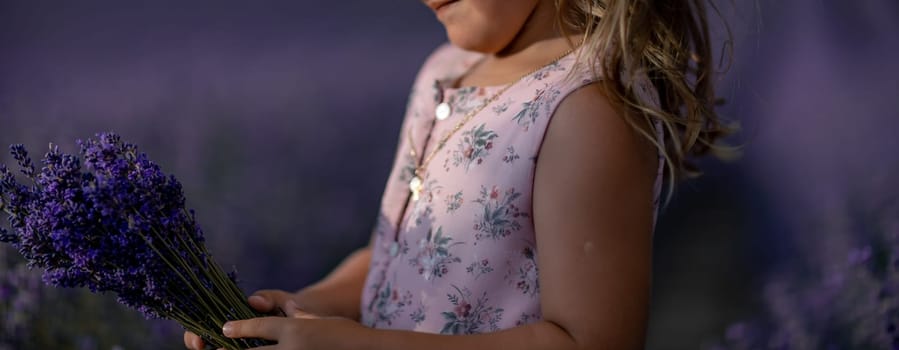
(593, 211)
(340, 293)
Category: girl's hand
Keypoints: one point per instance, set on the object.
(302, 331)
(268, 301)
(336, 295)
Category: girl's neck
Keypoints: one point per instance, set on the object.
(497, 69)
(538, 42)
(540, 27)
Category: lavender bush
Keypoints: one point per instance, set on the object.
(19, 298)
(119, 224)
(844, 295)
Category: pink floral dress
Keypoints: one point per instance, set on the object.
(462, 258)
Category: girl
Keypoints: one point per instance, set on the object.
(520, 209)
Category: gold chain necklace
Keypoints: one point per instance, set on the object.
(416, 184)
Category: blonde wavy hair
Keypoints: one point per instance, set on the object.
(668, 43)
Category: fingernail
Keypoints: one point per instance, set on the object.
(227, 329)
(257, 299)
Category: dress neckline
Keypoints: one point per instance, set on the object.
(446, 85)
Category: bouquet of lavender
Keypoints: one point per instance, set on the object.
(119, 224)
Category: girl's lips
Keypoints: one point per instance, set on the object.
(439, 5)
(441, 8)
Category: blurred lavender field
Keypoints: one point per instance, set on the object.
(280, 118)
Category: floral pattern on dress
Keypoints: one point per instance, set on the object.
(547, 71)
(408, 170)
(501, 108)
(479, 268)
(382, 226)
(403, 247)
(467, 99)
(453, 202)
(528, 318)
(388, 305)
(498, 216)
(470, 316)
(542, 104)
(511, 155)
(434, 256)
(474, 145)
(420, 314)
(438, 91)
(524, 275)
(423, 208)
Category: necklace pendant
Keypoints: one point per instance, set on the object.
(415, 186)
(443, 111)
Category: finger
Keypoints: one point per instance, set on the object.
(263, 327)
(260, 303)
(193, 341)
(267, 347)
(291, 307)
(268, 300)
(304, 315)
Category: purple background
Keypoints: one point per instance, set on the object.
(281, 117)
